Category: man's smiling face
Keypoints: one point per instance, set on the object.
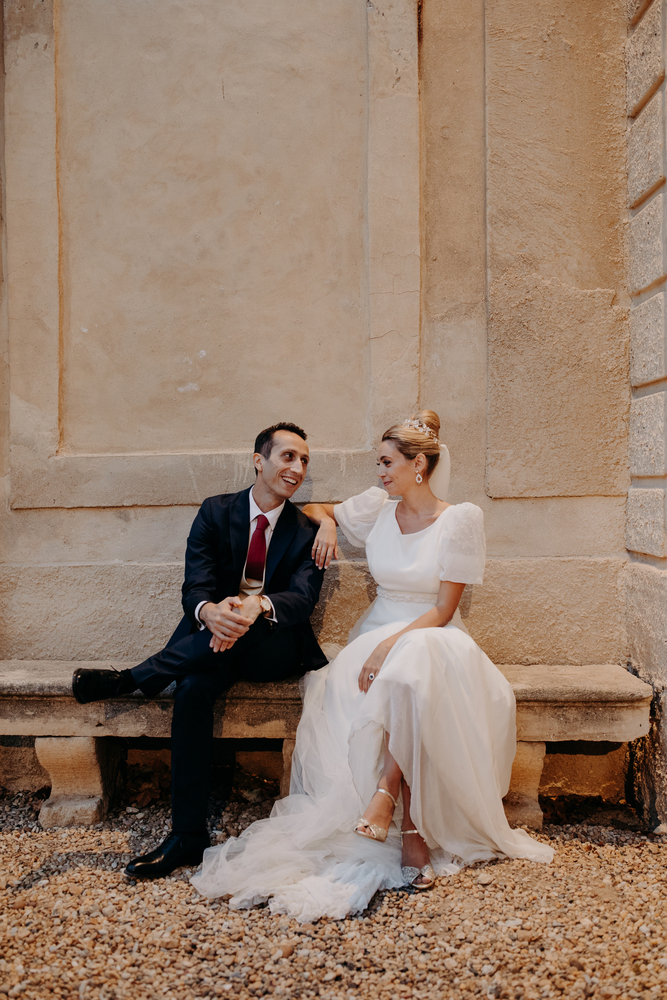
(281, 474)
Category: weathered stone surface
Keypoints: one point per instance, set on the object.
(636, 8)
(83, 772)
(586, 774)
(645, 61)
(72, 810)
(269, 711)
(164, 430)
(522, 806)
(553, 703)
(645, 528)
(555, 149)
(647, 436)
(454, 232)
(576, 685)
(264, 763)
(288, 752)
(557, 359)
(648, 776)
(20, 769)
(120, 611)
(646, 245)
(550, 611)
(646, 150)
(128, 611)
(646, 612)
(572, 693)
(647, 340)
(163, 479)
(592, 702)
(578, 526)
(347, 591)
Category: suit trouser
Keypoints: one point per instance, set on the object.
(201, 677)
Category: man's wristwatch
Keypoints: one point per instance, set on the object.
(265, 605)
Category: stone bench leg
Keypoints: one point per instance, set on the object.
(84, 774)
(288, 750)
(522, 806)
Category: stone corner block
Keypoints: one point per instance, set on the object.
(522, 807)
(646, 245)
(647, 341)
(644, 59)
(646, 141)
(645, 530)
(84, 775)
(647, 436)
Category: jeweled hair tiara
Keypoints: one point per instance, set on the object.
(417, 425)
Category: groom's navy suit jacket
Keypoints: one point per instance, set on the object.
(215, 558)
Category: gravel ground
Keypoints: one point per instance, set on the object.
(593, 924)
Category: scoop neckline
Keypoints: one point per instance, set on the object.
(421, 531)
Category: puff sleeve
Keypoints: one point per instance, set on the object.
(357, 516)
(462, 551)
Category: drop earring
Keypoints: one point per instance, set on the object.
(419, 478)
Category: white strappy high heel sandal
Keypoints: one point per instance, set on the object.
(411, 874)
(371, 830)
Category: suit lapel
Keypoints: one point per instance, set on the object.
(283, 534)
(239, 528)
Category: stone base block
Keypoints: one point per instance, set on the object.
(522, 806)
(593, 774)
(288, 750)
(84, 775)
(72, 810)
(268, 764)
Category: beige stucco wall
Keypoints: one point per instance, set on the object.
(479, 271)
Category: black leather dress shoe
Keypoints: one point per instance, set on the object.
(98, 685)
(178, 850)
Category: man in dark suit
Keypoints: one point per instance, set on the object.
(250, 587)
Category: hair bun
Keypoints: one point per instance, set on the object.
(430, 418)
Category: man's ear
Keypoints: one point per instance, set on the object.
(257, 462)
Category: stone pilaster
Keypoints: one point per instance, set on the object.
(646, 526)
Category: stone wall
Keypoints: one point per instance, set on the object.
(646, 536)
(196, 249)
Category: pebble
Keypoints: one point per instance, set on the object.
(592, 924)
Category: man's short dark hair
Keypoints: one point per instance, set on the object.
(264, 440)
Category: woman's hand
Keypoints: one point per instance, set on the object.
(372, 666)
(325, 546)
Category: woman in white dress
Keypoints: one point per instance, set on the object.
(410, 728)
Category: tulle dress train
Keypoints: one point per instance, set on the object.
(450, 719)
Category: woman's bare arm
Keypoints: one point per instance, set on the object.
(316, 512)
(449, 596)
(325, 546)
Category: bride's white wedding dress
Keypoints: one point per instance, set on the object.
(450, 716)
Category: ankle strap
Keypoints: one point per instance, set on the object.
(385, 792)
(404, 832)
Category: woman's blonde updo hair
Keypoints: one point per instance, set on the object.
(411, 441)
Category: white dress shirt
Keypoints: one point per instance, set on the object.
(251, 587)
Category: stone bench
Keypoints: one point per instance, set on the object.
(73, 744)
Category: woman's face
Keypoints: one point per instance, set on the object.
(396, 472)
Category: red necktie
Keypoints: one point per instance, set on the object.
(254, 569)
